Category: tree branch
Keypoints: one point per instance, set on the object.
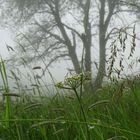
(52, 34)
(53, 60)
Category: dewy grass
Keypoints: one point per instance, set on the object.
(115, 115)
(61, 120)
(73, 83)
(7, 114)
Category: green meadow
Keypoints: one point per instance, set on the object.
(110, 113)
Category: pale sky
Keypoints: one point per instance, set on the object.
(5, 38)
(59, 70)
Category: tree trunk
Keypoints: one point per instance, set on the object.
(103, 25)
(87, 39)
(74, 59)
(71, 49)
(101, 70)
(102, 44)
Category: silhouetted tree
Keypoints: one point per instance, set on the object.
(56, 29)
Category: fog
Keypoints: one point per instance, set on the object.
(59, 70)
(69, 69)
(67, 35)
(6, 37)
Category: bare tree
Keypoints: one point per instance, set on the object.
(104, 21)
(49, 34)
(46, 29)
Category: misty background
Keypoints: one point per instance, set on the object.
(13, 37)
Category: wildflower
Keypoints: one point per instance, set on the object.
(59, 85)
(73, 81)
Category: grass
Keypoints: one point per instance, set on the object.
(114, 115)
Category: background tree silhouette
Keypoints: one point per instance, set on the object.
(59, 29)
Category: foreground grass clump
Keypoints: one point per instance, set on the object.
(113, 115)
